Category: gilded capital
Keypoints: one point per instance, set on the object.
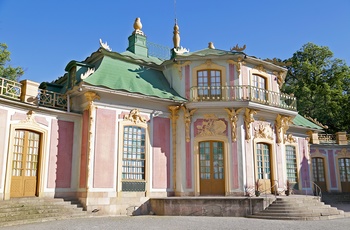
(282, 125)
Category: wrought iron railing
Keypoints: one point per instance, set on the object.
(243, 93)
(10, 89)
(159, 51)
(52, 99)
(327, 138)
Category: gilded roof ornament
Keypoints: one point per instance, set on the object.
(316, 122)
(238, 49)
(135, 117)
(105, 45)
(176, 40)
(87, 73)
(211, 45)
(138, 27)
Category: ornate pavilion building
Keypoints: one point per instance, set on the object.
(119, 128)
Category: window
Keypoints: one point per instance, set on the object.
(263, 161)
(209, 84)
(259, 87)
(291, 161)
(318, 169)
(133, 164)
(344, 169)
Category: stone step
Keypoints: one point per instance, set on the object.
(29, 210)
(296, 217)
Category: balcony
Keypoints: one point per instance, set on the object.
(243, 93)
(28, 92)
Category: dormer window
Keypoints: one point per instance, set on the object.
(209, 84)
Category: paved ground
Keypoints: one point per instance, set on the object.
(183, 223)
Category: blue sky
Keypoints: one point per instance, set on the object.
(44, 35)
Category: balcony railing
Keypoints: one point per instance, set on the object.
(243, 93)
(10, 89)
(51, 99)
(327, 138)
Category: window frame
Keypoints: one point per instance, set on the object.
(211, 79)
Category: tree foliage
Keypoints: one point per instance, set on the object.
(6, 70)
(321, 85)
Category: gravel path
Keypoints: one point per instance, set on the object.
(182, 222)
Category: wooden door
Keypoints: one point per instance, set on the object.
(25, 164)
(263, 167)
(212, 175)
(318, 171)
(344, 172)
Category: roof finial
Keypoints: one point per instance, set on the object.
(176, 37)
(211, 45)
(138, 26)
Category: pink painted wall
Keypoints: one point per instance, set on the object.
(332, 171)
(161, 153)
(84, 149)
(231, 80)
(245, 76)
(188, 165)
(304, 170)
(234, 152)
(61, 151)
(105, 139)
(187, 81)
(3, 125)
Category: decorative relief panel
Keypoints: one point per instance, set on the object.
(211, 126)
(135, 117)
(290, 139)
(263, 130)
(344, 153)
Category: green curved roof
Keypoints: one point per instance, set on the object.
(301, 121)
(208, 51)
(130, 77)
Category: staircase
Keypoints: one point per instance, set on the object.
(298, 207)
(34, 209)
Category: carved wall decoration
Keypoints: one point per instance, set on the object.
(180, 65)
(30, 118)
(344, 153)
(90, 97)
(187, 118)
(174, 110)
(248, 119)
(263, 131)
(290, 139)
(238, 64)
(208, 63)
(211, 126)
(233, 118)
(135, 117)
(260, 68)
(282, 125)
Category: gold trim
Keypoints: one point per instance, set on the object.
(238, 49)
(238, 65)
(263, 131)
(290, 139)
(280, 78)
(248, 119)
(260, 68)
(233, 117)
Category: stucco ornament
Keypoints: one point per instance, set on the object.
(248, 119)
(135, 117)
(238, 65)
(105, 45)
(263, 131)
(344, 153)
(187, 118)
(174, 110)
(238, 49)
(211, 126)
(282, 125)
(290, 139)
(233, 117)
(30, 118)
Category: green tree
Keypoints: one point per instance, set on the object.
(321, 85)
(6, 70)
